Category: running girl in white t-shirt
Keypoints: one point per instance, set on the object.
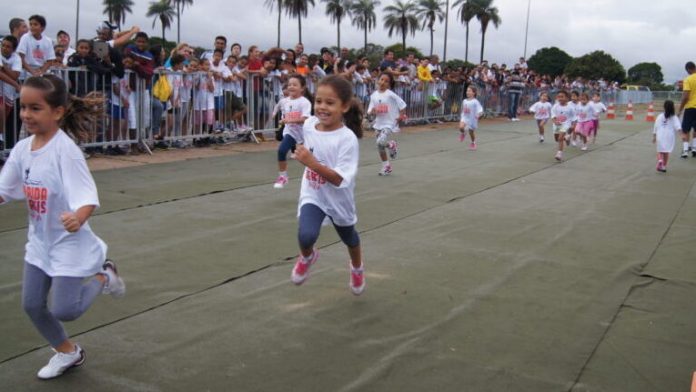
(563, 117)
(330, 153)
(542, 113)
(295, 109)
(389, 109)
(667, 126)
(599, 108)
(584, 112)
(574, 102)
(63, 256)
(471, 113)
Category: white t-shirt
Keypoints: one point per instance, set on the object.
(294, 109)
(204, 99)
(665, 132)
(15, 64)
(584, 113)
(53, 180)
(574, 106)
(471, 110)
(598, 109)
(236, 86)
(387, 106)
(226, 73)
(564, 114)
(36, 52)
(541, 110)
(338, 150)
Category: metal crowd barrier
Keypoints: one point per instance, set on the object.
(196, 112)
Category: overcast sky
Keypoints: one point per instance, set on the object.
(633, 31)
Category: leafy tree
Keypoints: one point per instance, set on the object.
(337, 10)
(486, 13)
(429, 11)
(467, 12)
(649, 74)
(116, 10)
(163, 11)
(401, 18)
(458, 63)
(597, 65)
(549, 61)
(399, 51)
(298, 9)
(364, 17)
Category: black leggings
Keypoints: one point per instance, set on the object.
(311, 218)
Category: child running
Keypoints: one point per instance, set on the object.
(542, 113)
(563, 116)
(330, 154)
(389, 109)
(666, 127)
(584, 112)
(471, 113)
(295, 109)
(63, 256)
(570, 135)
(599, 108)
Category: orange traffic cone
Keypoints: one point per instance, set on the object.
(629, 111)
(651, 113)
(611, 111)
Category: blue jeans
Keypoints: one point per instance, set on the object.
(514, 101)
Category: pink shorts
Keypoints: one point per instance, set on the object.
(585, 128)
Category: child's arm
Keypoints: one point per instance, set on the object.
(305, 157)
(122, 38)
(73, 221)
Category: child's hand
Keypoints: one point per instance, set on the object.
(70, 222)
(303, 155)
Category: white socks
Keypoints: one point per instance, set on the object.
(283, 174)
(686, 146)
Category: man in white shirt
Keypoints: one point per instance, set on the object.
(35, 49)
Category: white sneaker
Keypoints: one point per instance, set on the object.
(573, 143)
(541, 139)
(357, 280)
(584, 147)
(386, 170)
(61, 362)
(114, 285)
(280, 182)
(559, 156)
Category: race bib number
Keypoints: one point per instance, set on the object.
(293, 116)
(382, 108)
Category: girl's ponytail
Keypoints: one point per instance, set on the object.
(353, 118)
(81, 114)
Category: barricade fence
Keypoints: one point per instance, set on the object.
(201, 109)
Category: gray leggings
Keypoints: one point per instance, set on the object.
(311, 218)
(70, 298)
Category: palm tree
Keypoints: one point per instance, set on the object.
(163, 11)
(271, 4)
(116, 10)
(444, 50)
(486, 14)
(401, 18)
(336, 10)
(298, 9)
(429, 11)
(467, 12)
(364, 17)
(180, 5)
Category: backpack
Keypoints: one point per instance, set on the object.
(162, 89)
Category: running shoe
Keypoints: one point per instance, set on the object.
(280, 182)
(559, 156)
(462, 136)
(114, 286)
(61, 362)
(386, 170)
(472, 146)
(685, 154)
(300, 271)
(357, 280)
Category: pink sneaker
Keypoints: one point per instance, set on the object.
(301, 269)
(462, 136)
(280, 182)
(393, 148)
(659, 165)
(386, 170)
(357, 280)
(472, 146)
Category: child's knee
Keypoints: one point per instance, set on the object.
(65, 312)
